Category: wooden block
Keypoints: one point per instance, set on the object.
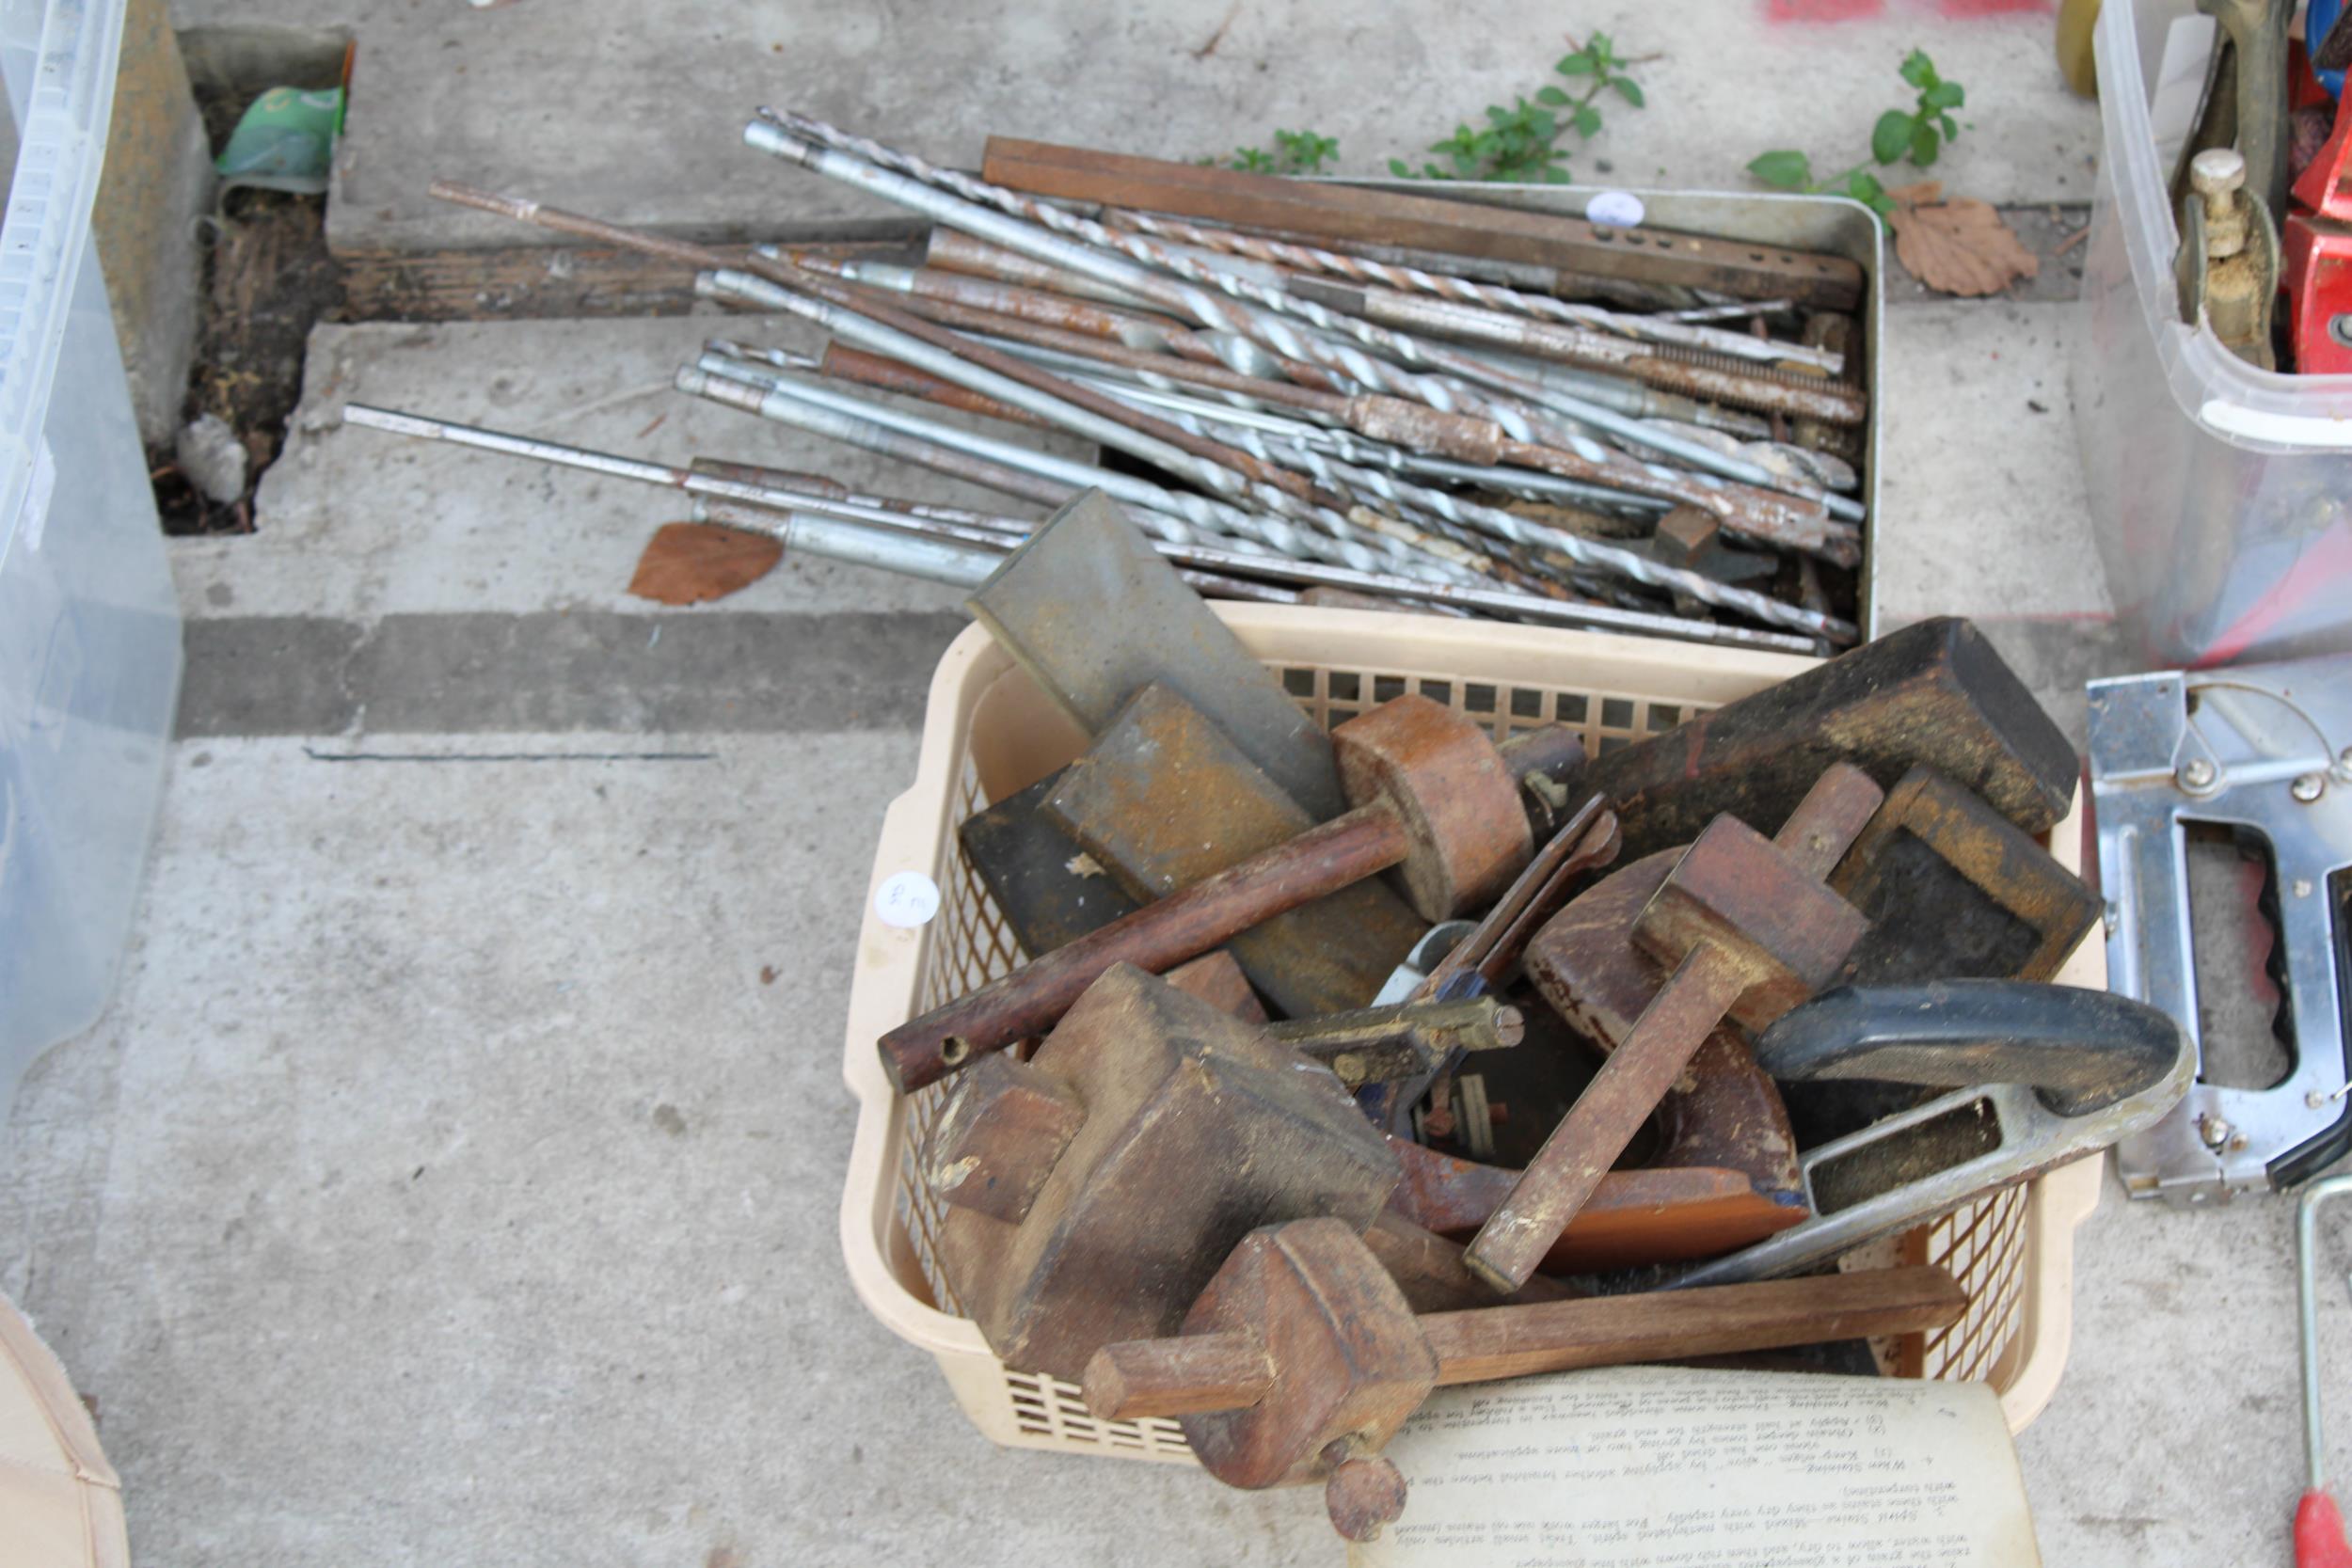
(1342, 1340)
(1001, 1135)
(1953, 891)
(1195, 1130)
(1048, 889)
(1216, 979)
(1933, 694)
(1164, 798)
(1734, 890)
(1095, 614)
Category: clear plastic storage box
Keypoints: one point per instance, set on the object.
(89, 631)
(2220, 495)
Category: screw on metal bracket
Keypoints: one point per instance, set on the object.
(2214, 1131)
(2198, 775)
(2308, 787)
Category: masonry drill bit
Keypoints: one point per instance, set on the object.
(777, 397)
(1419, 427)
(1300, 258)
(733, 374)
(794, 507)
(1017, 384)
(1372, 487)
(1055, 235)
(1327, 536)
(1307, 424)
(938, 296)
(1395, 426)
(1505, 603)
(953, 250)
(1704, 375)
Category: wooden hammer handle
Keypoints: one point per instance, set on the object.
(1613, 1331)
(1568, 1168)
(1158, 936)
(1830, 817)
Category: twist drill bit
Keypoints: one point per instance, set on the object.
(1301, 258)
(1258, 311)
(1328, 536)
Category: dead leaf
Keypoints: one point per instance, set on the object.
(1960, 248)
(689, 563)
(1917, 194)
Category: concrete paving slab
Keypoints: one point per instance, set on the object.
(1981, 507)
(454, 1180)
(635, 113)
(2177, 1436)
(354, 524)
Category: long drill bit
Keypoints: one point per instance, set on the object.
(1301, 258)
(1328, 535)
(1524, 483)
(883, 325)
(1395, 421)
(1370, 487)
(787, 504)
(1257, 310)
(764, 393)
(1145, 331)
(1495, 601)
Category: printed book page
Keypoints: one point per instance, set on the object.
(1664, 1467)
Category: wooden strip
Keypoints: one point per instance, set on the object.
(1393, 217)
(1573, 1160)
(1185, 1375)
(1482, 1345)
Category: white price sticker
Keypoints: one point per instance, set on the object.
(907, 900)
(1614, 210)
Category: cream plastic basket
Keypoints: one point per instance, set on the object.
(989, 731)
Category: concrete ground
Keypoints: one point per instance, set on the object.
(491, 94)
(455, 1175)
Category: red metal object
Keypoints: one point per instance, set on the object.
(2315, 258)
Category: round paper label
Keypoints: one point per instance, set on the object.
(907, 900)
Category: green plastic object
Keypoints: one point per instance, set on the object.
(284, 141)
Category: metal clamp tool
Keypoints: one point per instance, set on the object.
(2266, 751)
(2059, 1072)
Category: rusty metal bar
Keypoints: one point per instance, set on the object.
(1645, 254)
(885, 374)
(1135, 329)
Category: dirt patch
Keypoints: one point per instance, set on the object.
(268, 280)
